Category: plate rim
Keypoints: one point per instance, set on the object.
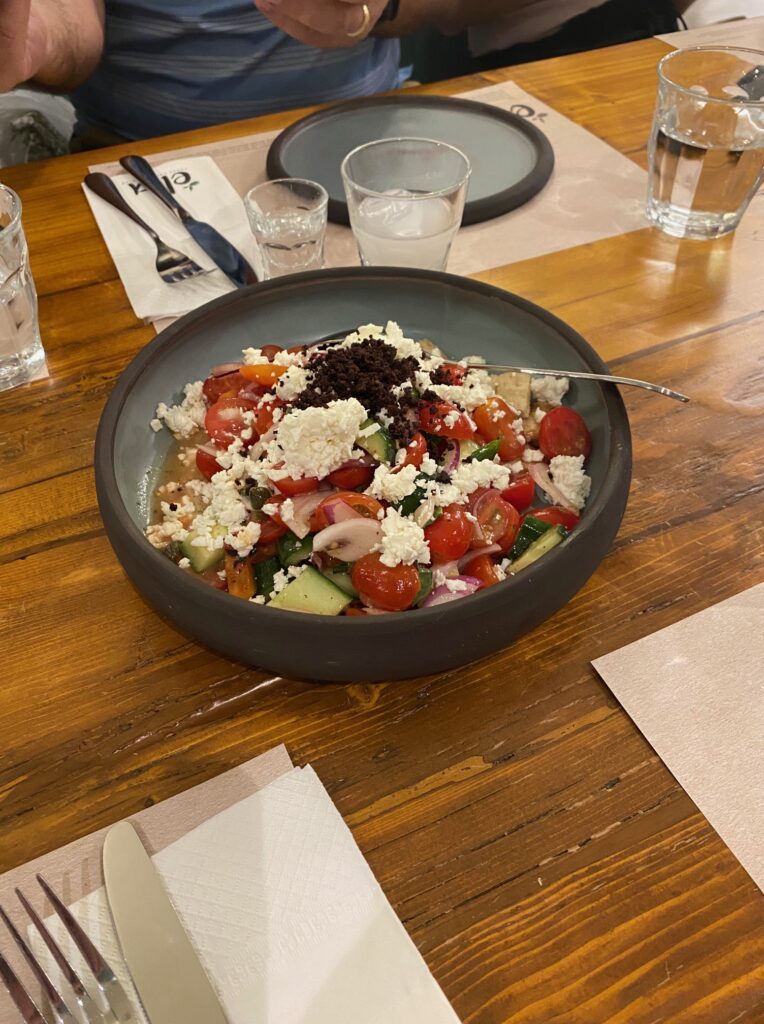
(614, 490)
(475, 211)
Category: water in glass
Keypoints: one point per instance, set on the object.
(404, 230)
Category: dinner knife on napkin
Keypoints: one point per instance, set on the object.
(163, 964)
(219, 249)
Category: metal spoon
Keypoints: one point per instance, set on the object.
(579, 375)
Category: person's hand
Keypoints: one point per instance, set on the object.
(323, 23)
(23, 39)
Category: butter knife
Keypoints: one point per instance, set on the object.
(219, 249)
(162, 962)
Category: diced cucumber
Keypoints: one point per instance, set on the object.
(425, 581)
(485, 451)
(340, 575)
(312, 592)
(554, 535)
(467, 448)
(292, 550)
(201, 558)
(379, 444)
(173, 551)
(530, 531)
(264, 573)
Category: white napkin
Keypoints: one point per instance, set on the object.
(202, 188)
(696, 691)
(287, 918)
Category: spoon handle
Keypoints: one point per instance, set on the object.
(659, 389)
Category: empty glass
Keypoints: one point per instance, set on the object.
(288, 219)
(707, 145)
(21, 351)
(405, 199)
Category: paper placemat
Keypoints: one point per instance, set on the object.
(75, 870)
(595, 192)
(696, 692)
(744, 32)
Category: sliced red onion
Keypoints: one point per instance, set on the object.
(449, 569)
(491, 549)
(302, 507)
(210, 449)
(452, 457)
(339, 511)
(251, 391)
(349, 540)
(442, 594)
(540, 474)
(225, 368)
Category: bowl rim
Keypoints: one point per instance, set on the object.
(613, 490)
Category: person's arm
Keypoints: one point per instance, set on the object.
(327, 23)
(54, 43)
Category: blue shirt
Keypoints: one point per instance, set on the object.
(170, 65)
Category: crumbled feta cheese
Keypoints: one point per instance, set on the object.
(184, 563)
(568, 475)
(403, 541)
(185, 419)
(384, 418)
(373, 428)
(452, 418)
(475, 390)
(287, 358)
(539, 414)
(429, 466)
(532, 455)
(549, 389)
(258, 599)
(254, 357)
(517, 426)
(291, 383)
(243, 539)
(393, 485)
(518, 466)
(284, 577)
(286, 511)
(156, 425)
(316, 441)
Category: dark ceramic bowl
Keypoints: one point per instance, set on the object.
(464, 317)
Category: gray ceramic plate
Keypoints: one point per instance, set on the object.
(464, 317)
(511, 159)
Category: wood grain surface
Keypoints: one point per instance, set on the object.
(540, 854)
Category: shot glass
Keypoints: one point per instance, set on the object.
(405, 200)
(288, 219)
(21, 351)
(706, 155)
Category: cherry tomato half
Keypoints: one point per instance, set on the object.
(556, 515)
(494, 419)
(290, 486)
(392, 589)
(416, 450)
(225, 419)
(444, 420)
(226, 384)
(264, 374)
(207, 464)
(520, 492)
(450, 535)
(498, 522)
(563, 432)
(362, 504)
(265, 413)
(451, 373)
(271, 525)
(483, 569)
(351, 476)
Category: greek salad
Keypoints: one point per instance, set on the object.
(366, 476)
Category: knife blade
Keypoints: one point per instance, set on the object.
(163, 964)
(219, 249)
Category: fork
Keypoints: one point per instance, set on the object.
(172, 265)
(110, 988)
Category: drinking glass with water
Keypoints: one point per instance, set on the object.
(405, 200)
(21, 351)
(707, 144)
(288, 219)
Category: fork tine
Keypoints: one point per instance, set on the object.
(29, 1012)
(109, 985)
(89, 1009)
(57, 1004)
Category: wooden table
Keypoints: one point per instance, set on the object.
(540, 854)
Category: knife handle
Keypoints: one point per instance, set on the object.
(104, 187)
(147, 176)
